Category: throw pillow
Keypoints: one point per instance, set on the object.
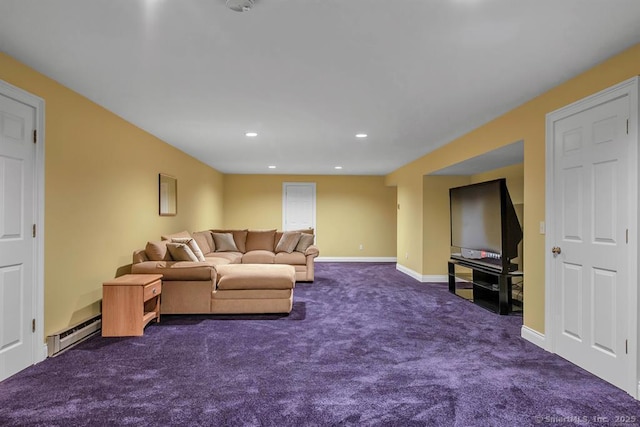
(192, 244)
(157, 251)
(225, 242)
(288, 241)
(181, 252)
(306, 240)
(239, 238)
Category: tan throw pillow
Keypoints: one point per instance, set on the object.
(306, 240)
(181, 252)
(192, 244)
(260, 240)
(288, 241)
(225, 242)
(239, 238)
(157, 251)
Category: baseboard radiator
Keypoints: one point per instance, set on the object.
(68, 337)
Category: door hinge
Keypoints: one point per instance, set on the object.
(33, 325)
(35, 136)
(626, 346)
(627, 235)
(34, 230)
(627, 126)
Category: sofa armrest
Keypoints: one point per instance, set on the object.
(177, 270)
(312, 251)
(139, 255)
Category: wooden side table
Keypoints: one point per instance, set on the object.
(129, 303)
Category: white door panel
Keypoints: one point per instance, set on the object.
(591, 151)
(17, 247)
(298, 205)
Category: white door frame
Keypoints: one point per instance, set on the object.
(13, 92)
(552, 299)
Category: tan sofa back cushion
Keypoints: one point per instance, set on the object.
(260, 240)
(205, 242)
(171, 236)
(157, 251)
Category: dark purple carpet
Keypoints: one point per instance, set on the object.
(364, 345)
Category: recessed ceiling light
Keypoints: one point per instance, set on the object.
(252, 134)
(272, 167)
(361, 135)
(337, 167)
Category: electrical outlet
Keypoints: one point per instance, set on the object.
(406, 255)
(542, 227)
(361, 246)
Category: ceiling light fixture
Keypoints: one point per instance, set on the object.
(361, 135)
(251, 134)
(272, 167)
(240, 5)
(337, 167)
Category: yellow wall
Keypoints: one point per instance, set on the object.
(436, 221)
(526, 122)
(514, 175)
(101, 190)
(350, 211)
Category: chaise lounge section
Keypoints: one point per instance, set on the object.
(253, 257)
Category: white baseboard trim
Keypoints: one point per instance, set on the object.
(355, 259)
(420, 277)
(533, 337)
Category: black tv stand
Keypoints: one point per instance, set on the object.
(486, 287)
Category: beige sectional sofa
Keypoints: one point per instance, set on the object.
(191, 285)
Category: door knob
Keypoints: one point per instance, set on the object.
(556, 250)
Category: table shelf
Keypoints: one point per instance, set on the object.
(486, 287)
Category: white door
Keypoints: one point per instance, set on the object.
(17, 245)
(298, 205)
(591, 273)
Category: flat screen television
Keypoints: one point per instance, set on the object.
(484, 226)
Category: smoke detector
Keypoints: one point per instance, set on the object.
(240, 5)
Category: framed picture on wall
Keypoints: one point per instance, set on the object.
(168, 195)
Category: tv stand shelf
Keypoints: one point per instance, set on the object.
(486, 287)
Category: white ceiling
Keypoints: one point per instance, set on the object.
(307, 75)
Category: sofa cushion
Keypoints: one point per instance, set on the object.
(258, 257)
(253, 276)
(157, 251)
(224, 242)
(306, 240)
(260, 240)
(181, 252)
(288, 241)
(294, 258)
(171, 236)
(191, 243)
(216, 260)
(232, 257)
(239, 236)
(204, 239)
